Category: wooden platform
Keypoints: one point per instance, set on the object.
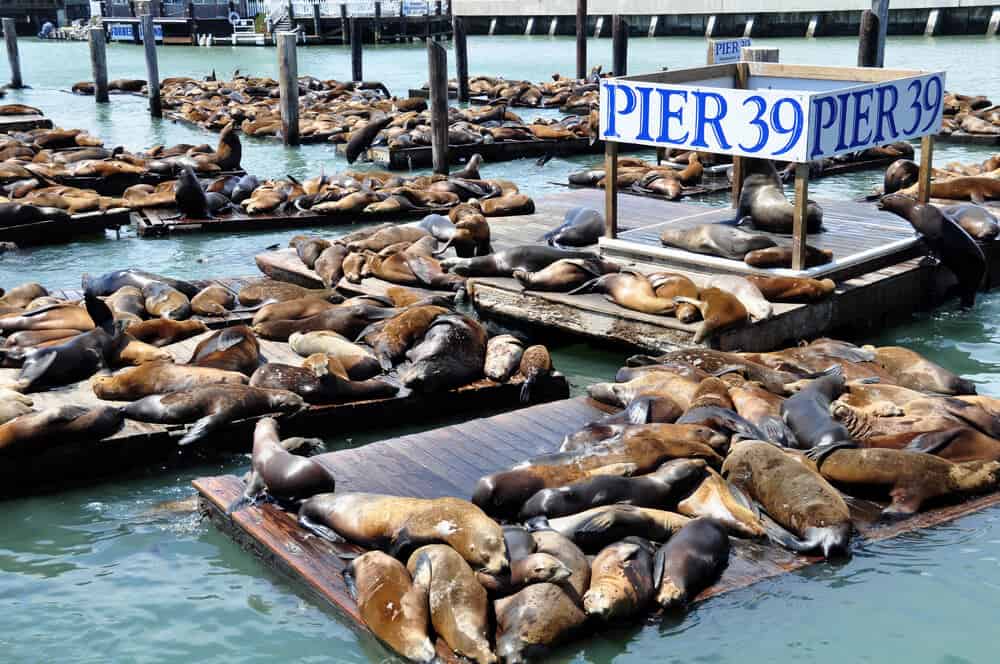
(115, 185)
(24, 122)
(54, 232)
(147, 446)
(448, 462)
(969, 139)
(408, 158)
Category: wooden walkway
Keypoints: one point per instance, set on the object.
(448, 462)
(966, 138)
(408, 158)
(80, 225)
(24, 122)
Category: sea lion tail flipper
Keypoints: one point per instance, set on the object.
(33, 370)
(538, 523)
(933, 442)
(596, 523)
(526, 389)
(777, 432)
(100, 313)
(203, 427)
(586, 287)
(659, 565)
(819, 453)
(782, 537)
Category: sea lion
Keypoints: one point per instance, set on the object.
(390, 339)
(161, 332)
(362, 138)
(387, 237)
(268, 290)
(330, 264)
(763, 204)
(159, 378)
(716, 240)
(791, 289)
(949, 241)
(530, 258)
(598, 527)
(646, 410)
(164, 301)
(397, 523)
(297, 309)
(58, 426)
(451, 354)
(680, 388)
(21, 295)
(899, 175)
(318, 385)
(508, 205)
(14, 404)
(536, 364)
(745, 291)
(629, 289)
(976, 220)
(565, 274)
(231, 349)
(913, 370)
(781, 257)
(621, 580)
(503, 357)
(719, 309)
(391, 605)
(671, 285)
(911, 478)
(458, 603)
(537, 568)
(127, 302)
(213, 301)
(807, 414)
(758, 405)
(691, 561)
(211, 407)
(52, 317)
(346, 319)
(107, 284)
(471, 169)
(794, 495)
(662, 487)
(190, 197)
(531, 621)
(975, 188)
(359, 362)
(581, 227)
(718, 499)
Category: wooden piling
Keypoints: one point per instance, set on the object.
(461, 57)
(378, 22)
(13, 57)
(437, 65)
(881, 9)
(317, 21)
(926, 166)
(868, 40)
(427, 25)
(356, 50)
(99, 64)
(152, 67)
(344, 29)
(619, 45)
(288, 87)
(799, 224)
(581, 38)
(402, 24)
(610, 189)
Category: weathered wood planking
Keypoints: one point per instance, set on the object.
(142, 445)
(56, 231)
(24, 122)
(399, 159)
(448, 462)
(969, 139)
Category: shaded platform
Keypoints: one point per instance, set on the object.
(24, 122)
(966, 138)
(54, 232)
(398, 159)
(448, 462)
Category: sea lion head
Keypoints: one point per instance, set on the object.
(900, 204)
(539, 568)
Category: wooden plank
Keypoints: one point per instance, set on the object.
(55, 231)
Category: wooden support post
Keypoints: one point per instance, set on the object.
(291, 13)
(461, 57)
(868, 39)
(317, 21)
(288, 87)
(661, 155)
(378, 23)
(13, 57)
(402, 24)
(356, 50)
(881, 9)
(799, 225)
(926, 167)
(437, 12)
(194, 23)
(619, 45)
(344, 29)
(99, 65)
(581, 38)
(427, 25)
(610, 189)
(437, 65)
(152, 67)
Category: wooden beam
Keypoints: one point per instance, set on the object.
(13, 57)
(581, 38)
(99, 65)
(461, 57)
(356, 74)
(288, 87)
(152, 67)
(610, 189)
(926, 166)
(619, 45)
(437, 67)
(868, 39)
(800, 227)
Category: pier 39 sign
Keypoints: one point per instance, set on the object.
(788, 125)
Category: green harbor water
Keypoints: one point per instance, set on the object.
(101, 573)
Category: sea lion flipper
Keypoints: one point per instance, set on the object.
(204, 427)
(321, 531)
(933, 442)
(34, 368)
(819, 453)
(100, 313)
(614, 470)
(659, 566)
(597, 523)
(352, 587)
(586, 287)
(782, 537)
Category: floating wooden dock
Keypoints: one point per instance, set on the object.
(407, 158)
(171, 114)
(115, 185)
(966, 138)
(141, 445)
(24, 122)
(55, 232)
(448, 462)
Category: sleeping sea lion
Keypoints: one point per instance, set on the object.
(266, 291)
(628, 289)
(565, 274)
(52, 317)
(164, 301)
(716, 498)
(598, 527)
(359, 362)
(807, 414)
(161, 332)
(976, 220)
(530, 258)
(792, 289)
(621, 580)
(899, 175)
(581, 227)
(30, 433)
(912, 370)
(107, 284)
(317, 385)
(231, 349)
(503, 357)
(670, 285)
(213, 301)
(719, 310)
(330, 264)
(159, 378)
(392, 338)
(689, 562)
(716, 240)
(21, 295)
(451, 354)
(782, 257)
(346, 319)
(745, 291)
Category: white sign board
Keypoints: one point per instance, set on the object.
(789, 125)
(725, 51)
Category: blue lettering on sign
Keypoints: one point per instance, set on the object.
(859, 116)
(798, 123)
(933, 107)
(821, 124)
(885, 112)
(702, 119)
(666, 115)
(644, 93)
(630, 101)
(762, 128)
(842, 119)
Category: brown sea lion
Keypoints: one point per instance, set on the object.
(899, 175)
(267, 290)
(598, 527)
(691, 561)
(677, 387)
(296, 309)
(975, 188)
(53, 317)
(159, 378)
(164, 301)
(565, 275)
(762, 407)
(670, 285)
(536, 365)
(211, 407)
(36, 338)
(534, 619)
(976, 220)
(719, 309)
(628, 289)
(458, 603)
(912, 370)
(317, 385)
(718, 499)
(29, 433)
(503, 357)
(508, 205)
(794, 495)
(213, 301)
(309, 248)
(21, 295)
(345, 319)
(530, 258)
(386, 237)
(231, 349)
(621, 580)
(391, 605)
(390, 339)
(792, 289)
(359, 362)
(716, 240)
(782, 257)
(330, 264)
(396, 523)
(135, 353)
(14, 404)
(283, 475)
(763, 203)
(127, 300)
(161, 332)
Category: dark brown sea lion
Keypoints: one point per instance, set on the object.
(268, 290)
(719, 309)
(458, 604)
(231, 349)
(451, 354)
(782, 257)
(319, 388)
(211, 407)
(530, 258)
(329, 264)
(718, 499)
(213, 301)
(396, 523)
(581, 227)
(763, 203)
(536, 365)
(916, 372)
(807, 414)
(362, 138)
(665, 486)
(159, 378)
(911, 477)
(899, 175)
(346, 319)
(621, 580)
(792, 289)
(628, 289)
(127, 300)
(164, 301)
(716, 240)
(58, 426)
(161, 332)
(794, 495)
(565, 274)
(503, 357)
(955, 247)
(691, 561)
(107, 284)
(391, 605)
(598, 527)
(977, 221)
(190, 197)
(390, 339)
